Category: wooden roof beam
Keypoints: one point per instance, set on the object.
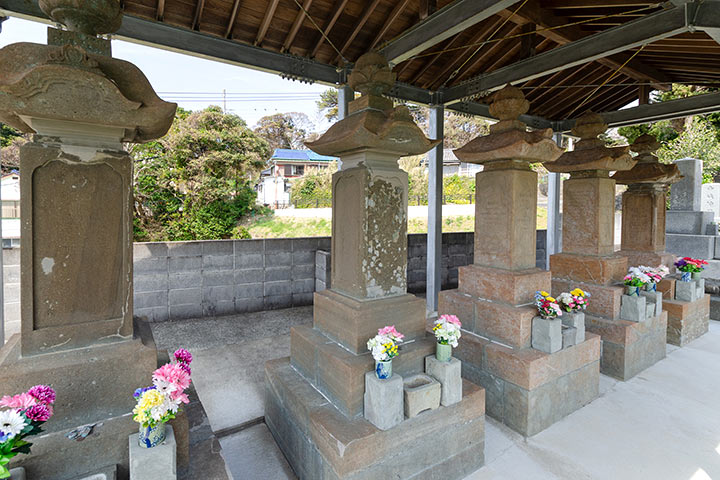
(394, 14)
(160, 12)
(269, 14)
(358, 27)
(544, 19)
(329, 24)
(296, 26)
(593, 47)
(443, 24)
(198, 14)
(233, 17)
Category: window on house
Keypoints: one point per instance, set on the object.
(10, 209)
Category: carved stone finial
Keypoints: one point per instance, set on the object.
(645, 143)
(508, 103)
(371, 75)
(589, 126)
(91, 17)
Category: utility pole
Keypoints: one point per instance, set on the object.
(224, 102)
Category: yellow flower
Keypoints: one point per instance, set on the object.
(550, 299)
(544, 293)
(578, 293)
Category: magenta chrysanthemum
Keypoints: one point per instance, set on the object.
(183, 356)
(43, 394)
(39, 413)
(186, 368)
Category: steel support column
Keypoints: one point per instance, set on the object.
(435, 194)
(345, 95)
(552, 241)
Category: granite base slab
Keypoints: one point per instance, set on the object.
(321, 443)
(629, 347)
(687, 320)
(529, 390)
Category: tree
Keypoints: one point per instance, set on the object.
(10, 155)
(698, 140)
(328, 104)
(314, 188)
(285, 130)
(7, 134)
(197, 181)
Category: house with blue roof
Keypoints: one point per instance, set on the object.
(284, 166)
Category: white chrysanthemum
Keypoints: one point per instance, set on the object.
(163, 386)
(11, 423)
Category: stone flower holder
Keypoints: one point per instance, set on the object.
(547, 334)
(655, 299)
(577, 321)
(449, 375)
(157, 463)
(383, 400)
(689, 291)
(421, 392)
(633, 308)
(569, 336)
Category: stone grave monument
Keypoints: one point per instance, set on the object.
(315, 399)
(588, 260)
(527, 389)
(76, 266)
(643, 237)
(691, 231)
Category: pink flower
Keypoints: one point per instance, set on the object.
(179, 395)
(451, 319)
(39, 413)
(391, 332)
(174, 374)
(43, 393)
(22, 401)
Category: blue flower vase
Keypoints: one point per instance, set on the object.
(686, 277)
(632, 291)
(383, 370)
(151, 436)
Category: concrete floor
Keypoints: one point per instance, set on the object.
(662, 424)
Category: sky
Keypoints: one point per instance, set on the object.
(196, 83)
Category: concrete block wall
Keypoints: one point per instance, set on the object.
(178, 280)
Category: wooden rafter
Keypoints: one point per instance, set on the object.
(198, 14)
(396, 11)
(544, 19)
(269, 14)
(329, 24)
(358, 27)
(296, 25)
(231, 21)
(454, 42)
(586, 74)
(160, 13)
(488, 52)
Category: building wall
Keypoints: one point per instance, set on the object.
(178, 280)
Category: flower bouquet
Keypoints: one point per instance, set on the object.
(634, 281)
(655, 274)
(575, 301)
(691, 268)
(22, 416)
(447, 333)
(160, 402)
(384, 347)
(547, 306)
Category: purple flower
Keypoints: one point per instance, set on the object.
(39, 413)
(183, 356)
(185, 367)
(43, 394)
(139, 391)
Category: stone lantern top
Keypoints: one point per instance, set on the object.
(65, 91)
(373, 123)
(648, 169)
(591, 153)
(91, 17)
(509, 140)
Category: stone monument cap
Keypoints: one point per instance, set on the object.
(91, 17)
(648, 169)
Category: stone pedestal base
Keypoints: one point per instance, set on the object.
(588, 268)
(321, 443)
(94, 385)
(383, 400)
(687, 320)
(507, 286)
(449, 374)
(629, 347)
(650, 259)
(605, 300)
(157, 463)
(529, 390)
(633, 308)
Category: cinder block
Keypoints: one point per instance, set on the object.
(250, 275)
(569, 336)
(577, 321)
(152, 314)
(633, 308)
(217, 247)
(449, 376)
(185, 280)
(249, 260)
(302, 299)
(547, 334)
(211, 309)
(150, 299)
(686, 291)
(184, 264)
(184, 249)
(302, 272)
(249, 290)
(276, 245)
(181, 312)
(150, 249)
(307, 243)
(306, 257)
(383, 400)
(420, 392)
(224, 293)
(141, 283)
(216, 278)
(275, 274)
(244, 247)
(275, 302)
(157, 463)
(246, 305)
(151, 265)
(303, 286)
(278, 288)
(278, 259)
(218, 262)
(183, 296)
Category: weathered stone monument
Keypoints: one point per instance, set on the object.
(527, 389)
(314, 402)
(76, 267)
(643, 235)
(588, 259)
(689, 227)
